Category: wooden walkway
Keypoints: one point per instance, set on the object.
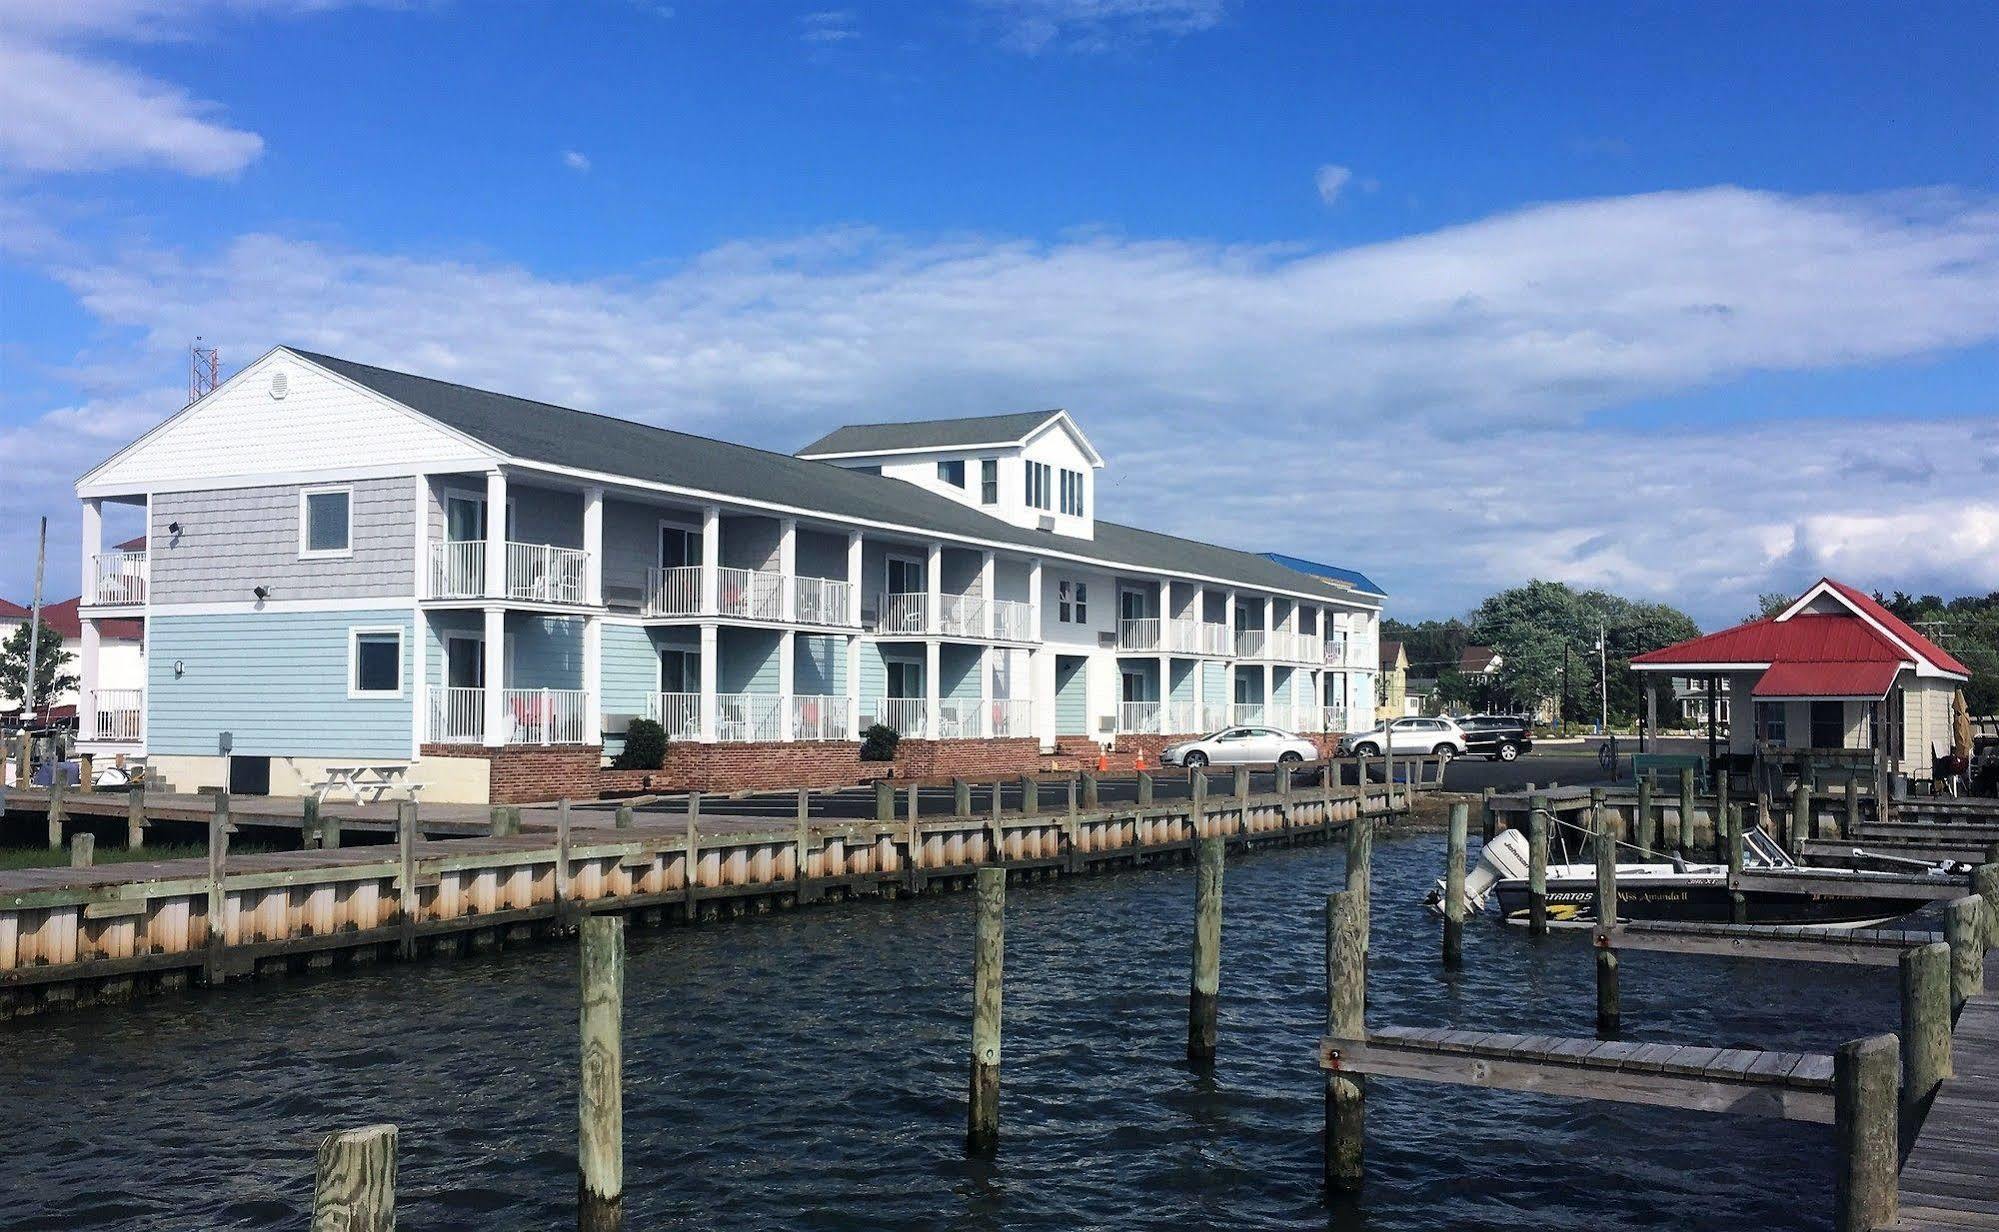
(1950, 1180)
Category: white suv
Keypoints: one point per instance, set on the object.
(1437, 737)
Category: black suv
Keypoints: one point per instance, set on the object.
(1497, 737)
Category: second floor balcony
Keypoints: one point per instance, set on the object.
(966, 616)
(119, 578)
(749, 594)
(531, 573)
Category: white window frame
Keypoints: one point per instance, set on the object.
(444, 668)
(354, 635)
(964, 473)
(1072, 493)
(993, 499)
(891, 559)
(305, 551)
(1064, 600)
(1081, 593)
(1040, 478)
(685, 527)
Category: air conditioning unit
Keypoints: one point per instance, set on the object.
(1047, 522)
(1107, 724)
(1107, 641)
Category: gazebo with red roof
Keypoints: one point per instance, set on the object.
(1833, 671)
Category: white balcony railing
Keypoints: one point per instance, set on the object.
(1215, 638)
(544, 573)
(1213, 717)
(678, 713)
(119, 577)
(121, 714)
(1138, 634)
(1142, 717)
(544, 716)
(909, 716)
(1277, 644)
(1335, 654)
(1333, 718)
(1011, 716)
(457, 569)
(823, 601)
(901, 612)
(961, 615)
(742, 718)
(1246, 712)
(1306, 648)
(819, 716)
(673, 591)
(457, 715)
(1013, 621)
(957, 718)
(753, 594)
(1250, 643)
(1180, 717)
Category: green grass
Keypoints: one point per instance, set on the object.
(58, 857)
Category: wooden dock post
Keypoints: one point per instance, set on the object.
(1346, 1014)
(1985, 884)
(1144, 788)
(354, 1189)
(884, 800)
(562, 869)
(86, 774)
(1804, 824)
(218, 865)
(691, 860)
(135, 817)
(329, 831)
(1030, 794)
(1720, 804)
(1964, 932)
(505, 821)
(961, 798)
(406, 880)
(82, 849)
(801, 849)
(622, 818)
(1089, 789)
(989, 961)
(23, 760)
(1537, 866)
(58, 813)
(1069, 796)
(1360, 859)
(1683, 835)
(1925, 971)
(1864, 1131)
(1609, 1012)
(308, 822)
(1852, 806)
(1197, 802)
(1641, 821)
(1203, 995)
(1738, 905)
(1454, 887)
(1241, 791)
(600, 1103)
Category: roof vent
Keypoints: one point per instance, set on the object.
(281, 384)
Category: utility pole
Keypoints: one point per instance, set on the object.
(1562, 718)
(1603, 674)
(35, 627)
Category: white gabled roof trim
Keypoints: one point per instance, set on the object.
(1917, 659)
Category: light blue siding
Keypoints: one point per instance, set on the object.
(546, 652)
(275, 682)
(874, 669)
(1214, 684)
(443, 624)
(819, 666)
(747, 661)
(958, 672)
(544, 516)
(1072, 696)
(1183, 680)
(630, 669)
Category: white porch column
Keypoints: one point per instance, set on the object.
(787, 565)
(855, 585)
(420, 674)
(854, 681)
(593, 680)
(1040, 710)
(93, 543)
(496, 547)
(933, 661)
(1228, 626)
(495, 649)
(711, 560)
(986, 589)
(787, 662)
(1034, 599)
(986, 684)
(593, 545)
(86, 680)
(933, 587)
(1165, 687)
(710, 642)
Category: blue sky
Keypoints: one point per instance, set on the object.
(1685, 301)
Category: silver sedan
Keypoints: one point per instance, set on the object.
(1241, 746)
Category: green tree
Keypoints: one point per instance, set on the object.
(50, 660)
(1434, 646)
(1771, 602)
(1546, 634)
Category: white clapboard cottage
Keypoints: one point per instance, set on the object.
(345, 565)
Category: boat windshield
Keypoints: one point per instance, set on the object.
(1759, 850)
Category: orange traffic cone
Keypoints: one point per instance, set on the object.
(1103, 762)
(1140, 763)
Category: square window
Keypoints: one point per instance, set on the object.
(952, 472)
(324, 522)
(375, 663)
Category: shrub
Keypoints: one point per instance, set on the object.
(645, 746)
(878, 743)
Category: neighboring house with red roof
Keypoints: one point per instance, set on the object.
(1834, 670)
(121, 666)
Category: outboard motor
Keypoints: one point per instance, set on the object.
(1502, 859)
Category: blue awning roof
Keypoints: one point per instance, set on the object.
(1359, 581)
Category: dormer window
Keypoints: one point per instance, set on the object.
(952, 471)
(989, 481)
(1072, 493)
(1039, 478)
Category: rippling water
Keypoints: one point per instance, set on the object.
(808, 1069)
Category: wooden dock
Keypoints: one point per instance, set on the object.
(1950, 1178)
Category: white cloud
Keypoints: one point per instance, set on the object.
(828, 26)
(1330, 179)
(1416, 408)
(575, 160)
(1096, 25)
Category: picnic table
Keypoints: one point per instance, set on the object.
(374, 780)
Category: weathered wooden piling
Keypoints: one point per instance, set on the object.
(1609, 1012)
(82, 849)
(600, 1101)
(989, 963)
(1925, 978)
(884, 800)
(1866, 1150)
(1197, 802)
(308, 822)
(801, 849)
(218, 863)
(1204, 992)
(1803, 821)
(1683, 837)
(961, 798)
(1454, 887)
(1738, 905)
(354, 1188)
(1346, 1014)
(58, 810)
(1985, 883)
(135, 817)
(1537, 866)
(1089, 789)
(504, 820)
(1144, 788)
(1852, 806)
(1241, 791)
(1641, 820)
(691, 857)
(622, 818)
(406, 878)
(1030, 794)
(1964, 932)
(86, 773)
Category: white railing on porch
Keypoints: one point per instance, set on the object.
(909, 716)
(961, 615)
(544, 716)
(901, 611)
(823, 601)
(457, 569)
(1011, 716)
(1246, 712)
(678, 713)
(753, 594)
(120, 714)
(1215, 638)
(1138, 634)
(1140, 717)
(544, 573)
(1334, 718)
(119, 577)
(957, 718)
(457, 716)
(1336, 652)
(1249, 643)
(742, 718)
(1306, 648)
(1278, 643)
(1013, 621)
(673, 591)
(819, 716)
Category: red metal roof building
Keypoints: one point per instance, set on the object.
(1832, 670)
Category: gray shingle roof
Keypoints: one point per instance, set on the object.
(927, 434)
(559, 436)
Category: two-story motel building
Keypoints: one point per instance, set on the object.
(348, 565)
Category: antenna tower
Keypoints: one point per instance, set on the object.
(203, 371)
